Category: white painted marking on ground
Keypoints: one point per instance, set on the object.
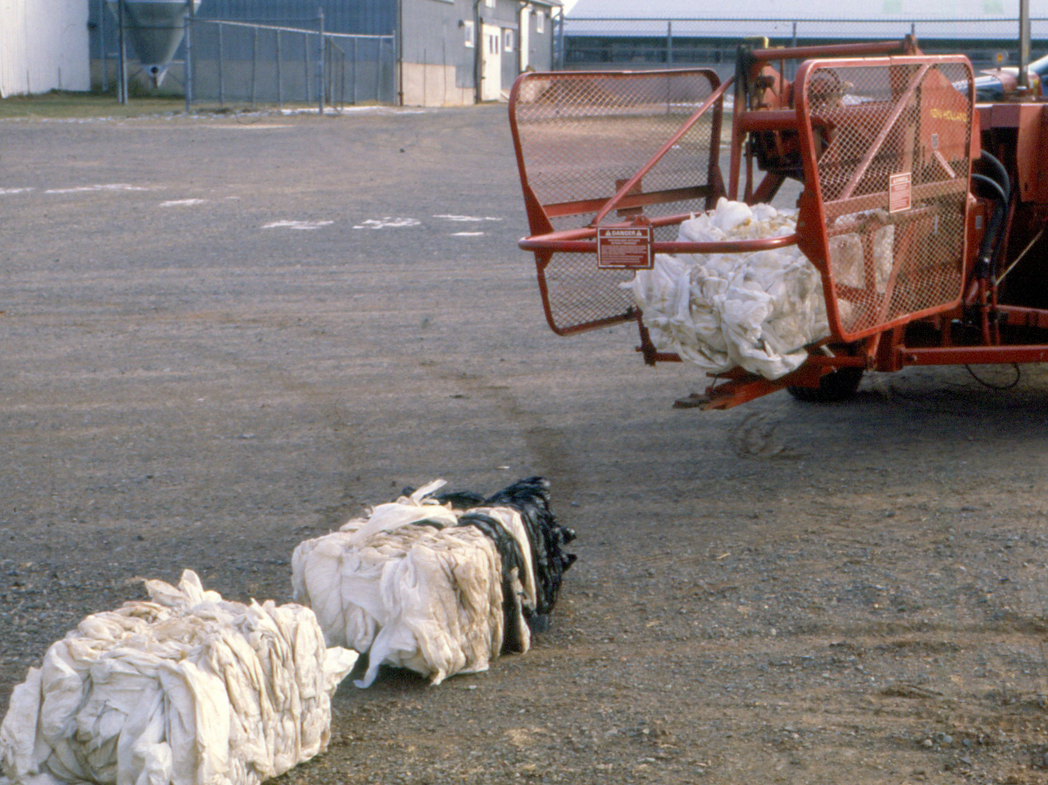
(248, 127)
(467, 234)
(9, 191)
(302, 225)
(94, 188)
(461, 218)
(388, 223)
(330, 110)
(182, 202)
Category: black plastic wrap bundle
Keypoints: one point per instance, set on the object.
(531, 498)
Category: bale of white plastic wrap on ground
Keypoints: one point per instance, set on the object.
(756, 311)
(426, 585)
(186, 689)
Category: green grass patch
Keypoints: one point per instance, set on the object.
(61, 104)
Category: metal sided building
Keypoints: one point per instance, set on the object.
(448, 51)
(607, 34)
(466, 51)
(440, 52)
(43, 46)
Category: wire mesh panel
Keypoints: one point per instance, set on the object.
(888, 145)
(580, 137)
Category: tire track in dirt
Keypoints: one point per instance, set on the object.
(545, 442)
(757, 436)
(349, 453)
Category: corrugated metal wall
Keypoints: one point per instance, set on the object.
(359, 17)
(43, 46)
(356, 17)
(434, 33)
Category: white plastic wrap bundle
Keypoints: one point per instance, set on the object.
(756, 311)
(848, 259)
(425, 597)
(185, 689)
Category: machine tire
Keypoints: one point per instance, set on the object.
(839, 385)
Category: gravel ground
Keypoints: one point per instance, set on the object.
(225, 334)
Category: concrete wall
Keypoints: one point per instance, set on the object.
(434, 85)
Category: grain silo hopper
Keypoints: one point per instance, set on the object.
(156, 29)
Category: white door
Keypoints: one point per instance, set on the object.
(491, 59)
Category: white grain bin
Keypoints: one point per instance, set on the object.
(156, 28)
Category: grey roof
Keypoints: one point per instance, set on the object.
(901, 10)
(887, 19)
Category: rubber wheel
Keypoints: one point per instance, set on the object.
(839, 385)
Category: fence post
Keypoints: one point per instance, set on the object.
(320, 59)
(280, 82)
(189, 58)
(305, 66)
(221, 81)
(669, 43)
(122, 89)
(355, 70)
(254, 66)
(105, 47)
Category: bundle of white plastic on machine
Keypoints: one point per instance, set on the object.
(438, 584)
(756, 311)
(185, 689)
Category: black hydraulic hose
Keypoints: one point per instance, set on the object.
(1006, 185)
(1002, 174)
(987, 249)
(743, 60)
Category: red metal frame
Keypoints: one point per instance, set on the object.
(626, 199)
(781, 116)
(816, 218)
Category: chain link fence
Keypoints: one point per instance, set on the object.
(238, 62)
(585, 44)
(226, 61)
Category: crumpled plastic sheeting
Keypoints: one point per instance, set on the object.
(756, 311)
(848, 264)
(185, 689)
(414, 589)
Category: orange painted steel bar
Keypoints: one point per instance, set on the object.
(888, 124)
(571, 241)
(632, 182)
(973, 355)
(903, 46)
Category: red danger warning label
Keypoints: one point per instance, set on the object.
(625, 248)
(899, 192)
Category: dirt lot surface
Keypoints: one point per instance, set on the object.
(222, 335)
